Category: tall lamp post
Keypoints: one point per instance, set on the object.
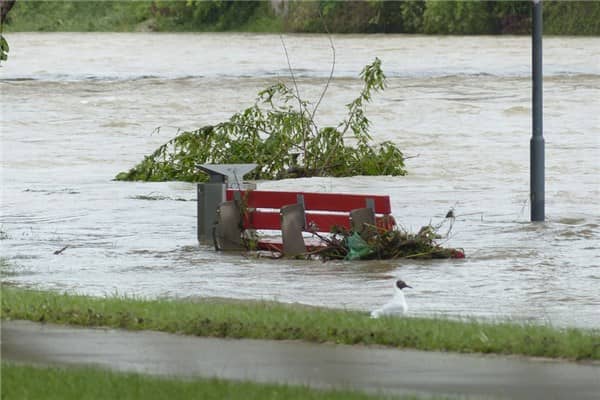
(536, 156)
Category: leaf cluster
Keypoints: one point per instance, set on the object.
(4, 48)
(203, 15)
(373, 16)
(280, 135)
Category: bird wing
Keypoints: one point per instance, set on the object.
(391, 308)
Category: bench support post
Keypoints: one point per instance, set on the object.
(360, 218)
(210, 195)
(227, 233)
(293, 223)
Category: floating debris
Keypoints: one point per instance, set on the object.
(373, 243)
(381, 244)
(57, 252)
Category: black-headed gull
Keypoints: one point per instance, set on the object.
(397, 305)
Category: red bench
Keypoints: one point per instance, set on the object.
(293, 213)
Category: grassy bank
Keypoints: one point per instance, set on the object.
(270, 320)
(77, 16)
(373, 16)
(27, 382)
(141, 15)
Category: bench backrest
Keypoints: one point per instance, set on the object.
(322, 210)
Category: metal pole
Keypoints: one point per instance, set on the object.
(537, 191)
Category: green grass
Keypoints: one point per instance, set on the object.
(48, 383)
(77, 16)
(270, 320)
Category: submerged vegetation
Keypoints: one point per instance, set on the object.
(373, 16)
(375, 243)
(270, 320)
(279, 134)
(382, 241)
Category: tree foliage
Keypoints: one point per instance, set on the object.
(5, 7)
(367, 16)
(457, 17)
(572, 17)
(215, 15)
(280, 135)
(74, 16)
(412, 16)
(4, 48)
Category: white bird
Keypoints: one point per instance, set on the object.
(397, 305)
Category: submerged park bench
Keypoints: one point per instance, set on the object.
(228, 216)
(294, 213)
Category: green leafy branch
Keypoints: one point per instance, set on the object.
(280, 135)
(4, 48)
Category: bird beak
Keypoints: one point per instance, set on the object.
(408, 286)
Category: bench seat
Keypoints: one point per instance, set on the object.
(293, 213)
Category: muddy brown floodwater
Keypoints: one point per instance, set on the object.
(75, 113)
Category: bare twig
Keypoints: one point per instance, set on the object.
(326, 87)
(57, 252)
(287, 57)
(312, 117)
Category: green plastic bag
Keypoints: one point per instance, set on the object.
(357, 248)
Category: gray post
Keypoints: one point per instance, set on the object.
(537, 191)
(210, 195)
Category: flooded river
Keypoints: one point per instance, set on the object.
(79, 108)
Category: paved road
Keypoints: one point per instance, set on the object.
(317, 365)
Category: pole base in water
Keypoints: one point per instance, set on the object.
(537, 189)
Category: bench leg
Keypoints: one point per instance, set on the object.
(292, 225)
(359, 217)
(228, 231)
